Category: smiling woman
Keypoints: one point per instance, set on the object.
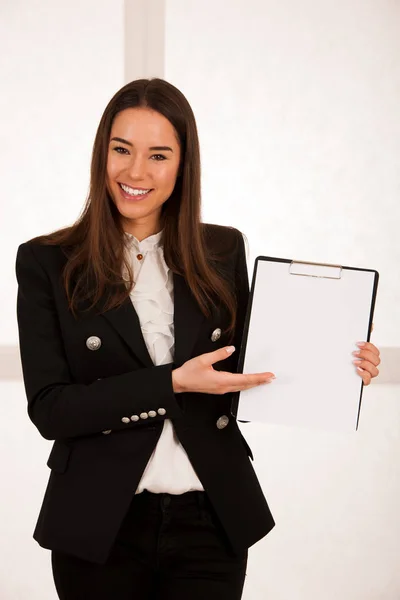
(128, 367)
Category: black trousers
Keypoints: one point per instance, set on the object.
(169, 547)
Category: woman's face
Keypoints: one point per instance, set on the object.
(143, 154)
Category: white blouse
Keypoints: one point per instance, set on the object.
(169, 468)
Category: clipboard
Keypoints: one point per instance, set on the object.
(302, 323)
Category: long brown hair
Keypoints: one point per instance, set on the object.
(95, 243)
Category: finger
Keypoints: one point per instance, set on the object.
(369, 356)
(252, 385)
(368, 346)
(209, 358)
(266, 379)
(238, 382)
(368, 367)
(366, 377)
(242, 388)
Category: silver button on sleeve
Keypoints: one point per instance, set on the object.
(161, 411)
(125, 420)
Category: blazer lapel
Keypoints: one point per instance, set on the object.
(187, 321)
(125, 320)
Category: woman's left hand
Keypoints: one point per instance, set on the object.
(367, 361)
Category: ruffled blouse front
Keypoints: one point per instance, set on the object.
(152, 296)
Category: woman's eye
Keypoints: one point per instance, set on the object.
(160, 156)
(118, 148)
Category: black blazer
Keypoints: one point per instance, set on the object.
(77, 395)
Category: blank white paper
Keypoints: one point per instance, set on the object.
(304, 330)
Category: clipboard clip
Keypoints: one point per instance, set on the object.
(321, 270)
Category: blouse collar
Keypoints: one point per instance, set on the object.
(152, 242)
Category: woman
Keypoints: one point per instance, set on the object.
(126, 321)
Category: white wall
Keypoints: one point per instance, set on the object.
(297, 108)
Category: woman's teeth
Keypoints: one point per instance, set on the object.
(133, 191)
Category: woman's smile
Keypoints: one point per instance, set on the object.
(135, 194)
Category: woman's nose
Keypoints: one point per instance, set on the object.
(137, 168)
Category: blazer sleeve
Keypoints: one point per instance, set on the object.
(59, 407)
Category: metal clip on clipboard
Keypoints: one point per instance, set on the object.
(308, 269)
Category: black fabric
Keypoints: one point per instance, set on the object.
(75, 394)
(168, 548)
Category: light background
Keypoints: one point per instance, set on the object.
(297, 108)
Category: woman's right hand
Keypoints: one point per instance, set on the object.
(198, 375)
